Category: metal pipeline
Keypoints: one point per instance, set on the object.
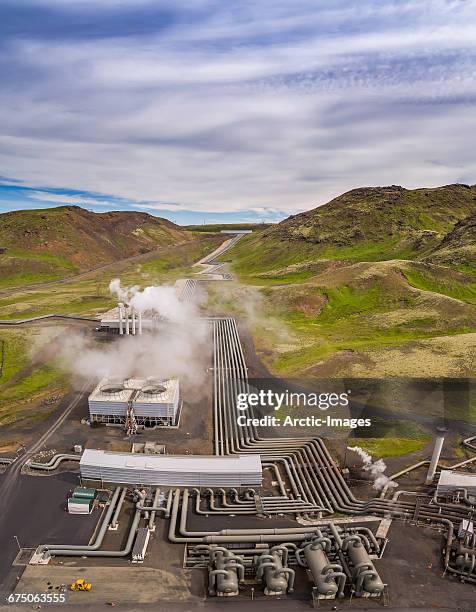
(53, 463)
(153, 512)
(118, 508)
(59, 548)
(87, 552)
(155, 508)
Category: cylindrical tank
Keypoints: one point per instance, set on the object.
(361, 561)
(228, 572)
(317, 560)
(465, 556)
(227, 583)
(276, 576)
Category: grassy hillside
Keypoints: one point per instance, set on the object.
(30, 384)
(458, 247)
(368, 224)
(47, 244)
(90, 295)
(378, 282)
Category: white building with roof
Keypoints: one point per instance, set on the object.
(171, 470)
(451, 482)
(146, 401)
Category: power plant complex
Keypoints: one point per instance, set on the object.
(259, 514)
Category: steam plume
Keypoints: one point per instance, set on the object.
(179, 346)
(375, 468)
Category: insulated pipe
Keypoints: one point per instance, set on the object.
(306, 457)
(244, 535)
(60, 548)
(87, 552)
(53, 463)
(118, 508)
(166, 510)
(153, 512)
(434, 459)
(322, 474)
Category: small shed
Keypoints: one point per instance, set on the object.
(80, 505)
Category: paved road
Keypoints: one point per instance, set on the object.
(13, 472)
(26, 501)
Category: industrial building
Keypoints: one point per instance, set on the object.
(171, 470)
(135, 402)
(453, 482)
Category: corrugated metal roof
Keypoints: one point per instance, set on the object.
(190, 463)
(84, 492)
(173, 470)
(452, 479)
(457, 478)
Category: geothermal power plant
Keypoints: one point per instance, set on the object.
(257, 514)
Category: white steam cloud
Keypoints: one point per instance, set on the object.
(179, 347)
(376, 469)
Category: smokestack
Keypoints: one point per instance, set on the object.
(133, 315)
(140, 323)
(121, 327)
(434, 459)
(127, 321)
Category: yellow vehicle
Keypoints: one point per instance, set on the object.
(81, 585)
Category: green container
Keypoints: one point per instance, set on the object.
(84, 493)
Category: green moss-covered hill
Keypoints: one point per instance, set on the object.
(368, 224)
(378, 282)
(47, 244)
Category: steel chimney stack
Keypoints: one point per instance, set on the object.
(133, 315)
(434, 459)
(121, 321)
(127, 321)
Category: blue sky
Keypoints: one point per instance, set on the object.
(219, 111)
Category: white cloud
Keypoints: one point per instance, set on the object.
(46, 196)
(279, 106)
